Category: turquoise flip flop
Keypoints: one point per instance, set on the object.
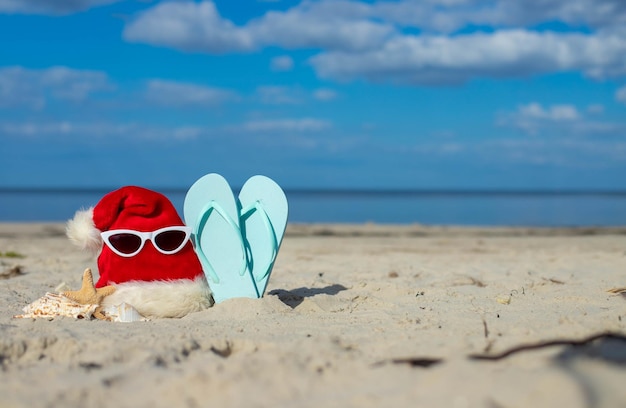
(211, 211)
(263, 218)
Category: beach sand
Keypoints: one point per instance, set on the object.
(355, 315)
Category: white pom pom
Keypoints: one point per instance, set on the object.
(83, 232)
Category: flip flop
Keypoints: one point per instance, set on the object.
(264, 209)
(210, 210)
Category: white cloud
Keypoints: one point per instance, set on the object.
(189, 26)
(31, 129)
(282, 63)
(285, 95)
(325, 94)
(87, 131)
(49, 7)
(354, 25)
(286, 133)
(171, 93)
(328, 24)
(48, 129)
(285, 125)
(562, 152)
(595, 108)
(594, 13)
(533, 117)
(553, 113)
(199, 27)
(620, 94)
(370, 41)
(564, 120)
(279, 95)
(448, 16)
(456, 59)
(188, 132)
(20, 86)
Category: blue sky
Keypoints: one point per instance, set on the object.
(315, 94)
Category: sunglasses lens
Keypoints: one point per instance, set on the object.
(125, 243)
(170, 240)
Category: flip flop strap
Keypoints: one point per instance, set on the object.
(207, 210)
(245, 213)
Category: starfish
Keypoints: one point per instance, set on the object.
(89, 295)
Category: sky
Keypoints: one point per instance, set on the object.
(431, 94)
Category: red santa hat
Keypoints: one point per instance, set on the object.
(156, 284)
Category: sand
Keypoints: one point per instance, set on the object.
(356, 315)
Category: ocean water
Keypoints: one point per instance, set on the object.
(488, 208)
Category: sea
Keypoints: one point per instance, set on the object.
(426, 207)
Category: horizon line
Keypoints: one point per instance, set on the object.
(353, 191)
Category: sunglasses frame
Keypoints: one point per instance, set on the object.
(146, 236)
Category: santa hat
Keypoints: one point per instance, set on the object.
(156, 284)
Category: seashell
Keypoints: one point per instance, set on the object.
(122, 313)
(52, 305)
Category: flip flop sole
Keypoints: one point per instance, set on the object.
(264, 211)
(211, 211)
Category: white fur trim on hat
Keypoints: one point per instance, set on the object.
(82, 231)
(154, 299)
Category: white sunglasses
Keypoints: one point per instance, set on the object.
(127, 243)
